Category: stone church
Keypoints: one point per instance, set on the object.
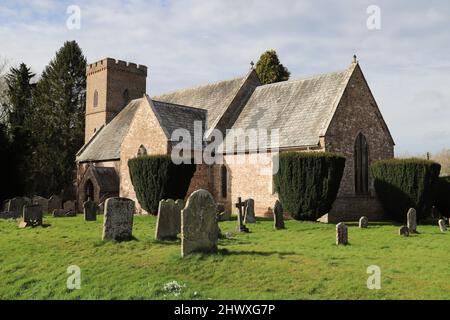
(329, 112)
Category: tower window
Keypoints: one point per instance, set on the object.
(224, 180)
(361, 165)
(95, 99)
(126, 97)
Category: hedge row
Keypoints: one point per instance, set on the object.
(156, 177)
(442, 196)
(308, 183)
(405, 183)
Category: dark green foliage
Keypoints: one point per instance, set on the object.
(157, 177)
(5, 166)
(405, 183)
(442, 196)
(269, 69)
(57, 124)
(19, 108)
(308, 183)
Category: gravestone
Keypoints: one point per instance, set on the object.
(42, 202)
(222, 213)
(278, 218)
(54, 203)
(8, 215)
(240, 221)
(5, 205)
(16, 205)
(69, 205)
(90, 209)
(442, 225)
(199, 228)
(32, 216)
(118, 221)
(341, 234)
(250, 211)
(101, 208)
(411, 217)
(168, 222)
(363, 222)
(403, 231)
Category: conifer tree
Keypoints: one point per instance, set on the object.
(269, 69)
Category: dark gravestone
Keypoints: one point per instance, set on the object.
(16, 205)
(90, 209)
(240, 222)
(250, 211)
(118, 221)
(32, 216)
(403, 231)
(168, 222)
(43, 202)
(341, 234)
(54, 203)
(278, 216)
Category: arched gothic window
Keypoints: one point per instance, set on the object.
(95, 99)
(142, 151)
(89, 191)
(361, 165)
(224, 180)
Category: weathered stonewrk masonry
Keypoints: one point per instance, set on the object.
(330, 112)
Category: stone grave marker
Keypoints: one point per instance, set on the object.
(118, 221)
(90, 209)
(43, 202)
(278, 218)
(363, 222)
(199, 228)
(168, 221)
(411, 217)
(240, 221)
(403, 231)
(16, 205)
(54, 202)
(69, 205)
(341, 234)
(250, 211)
(442, 225)
(32, 216)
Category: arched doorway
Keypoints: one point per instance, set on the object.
(361, 165)
(88, 190)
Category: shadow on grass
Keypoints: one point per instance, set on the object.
(226, 252)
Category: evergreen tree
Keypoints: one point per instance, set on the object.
(18, 108)
(5, 188)
(270, 70)
(57, 124)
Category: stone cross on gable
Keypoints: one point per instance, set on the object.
(240, 205)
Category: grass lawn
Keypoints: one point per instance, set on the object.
(301, 262)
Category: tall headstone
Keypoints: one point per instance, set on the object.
(16, 205)
(363, 222)
(54, 203)
(411, 218)
(118, 221)
(43, 202)
(341, 234)
(32, 216)
(278, 218)
(250, 211)
(240, 221)
(199, 227)
(403, 231)
(442, 225)
(168, 221)
(90, 209)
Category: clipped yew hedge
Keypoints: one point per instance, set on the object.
(405, 183)
(442, 196)
(308, 183)
(156, 177)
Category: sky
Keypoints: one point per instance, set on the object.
(404, 51)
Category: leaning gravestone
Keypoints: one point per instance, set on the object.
(32, 216)
(168, 222)
(411, 217)
(278, 215)
(54, 203)
(363, 222)
(16, 205)
(341, 234)
(42, 202)
(249, 211)
(90, 209)
(442, 225)
(403, 231)
(199, 228)
(118, 221)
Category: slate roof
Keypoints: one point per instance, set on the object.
(105, 145)
(300, 109)
(213, 97)
(174, 116)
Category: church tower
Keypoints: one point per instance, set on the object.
(110, 85)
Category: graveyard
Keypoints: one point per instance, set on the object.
(301, 261)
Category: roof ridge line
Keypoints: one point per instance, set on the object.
(179, 105)
(302, 79)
